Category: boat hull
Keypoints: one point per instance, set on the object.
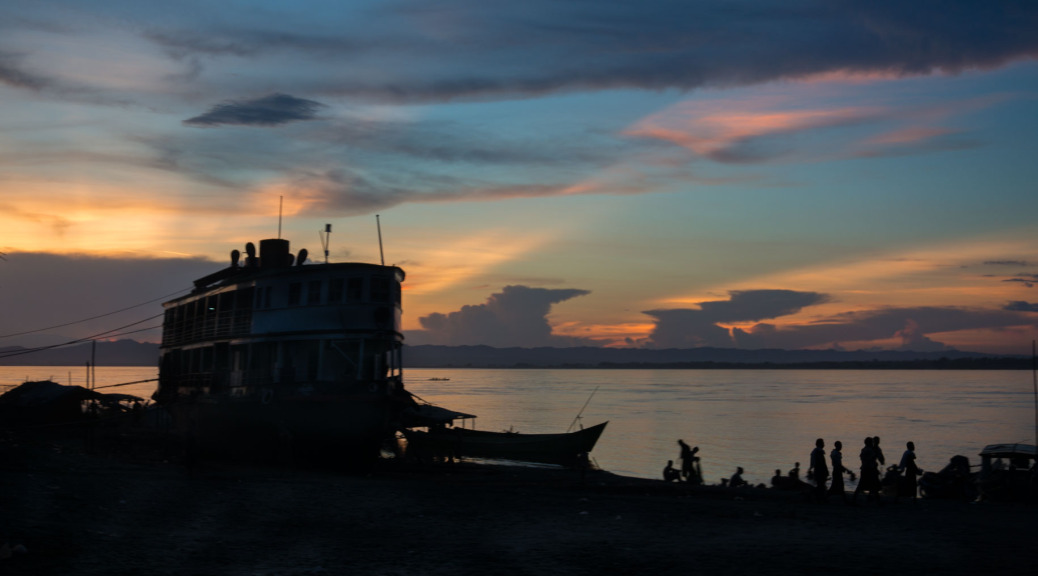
(336, 431)
(560, 449)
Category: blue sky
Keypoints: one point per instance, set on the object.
(662, 174)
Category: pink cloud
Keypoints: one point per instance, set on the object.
(909, 135)
(714, 128)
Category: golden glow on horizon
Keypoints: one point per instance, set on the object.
(925, 276)
(607, 334)
(436, 270)
(955, 275)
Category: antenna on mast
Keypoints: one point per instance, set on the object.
(281, 204)
(325, 237)
(380, 255)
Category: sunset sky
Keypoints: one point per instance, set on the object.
(799, 174)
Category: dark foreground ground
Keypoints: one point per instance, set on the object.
(68, 511)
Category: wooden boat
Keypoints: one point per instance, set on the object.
(561, 449)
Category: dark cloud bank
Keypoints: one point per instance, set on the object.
(545, 46)
(517, 317)
(686, 328)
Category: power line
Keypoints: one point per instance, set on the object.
(94, 317)
(105, 334)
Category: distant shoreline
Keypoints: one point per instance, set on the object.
(956, 364)
(127, 353)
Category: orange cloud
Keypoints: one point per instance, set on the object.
(613, 335)
(950, 274)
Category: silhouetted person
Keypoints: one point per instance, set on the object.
(869, 480)
(795, 472)
(836, 456)
(583, 464)
(687, 455)
(879, 451)
(686, 459)
(777, 480)
(690, 470)
(909, 472)
(670, 473)
(695, 475)
(737, 481)
(819, 470)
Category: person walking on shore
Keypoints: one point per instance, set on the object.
(909, 472)
(869, 480)
(836, 456)
(818, 470)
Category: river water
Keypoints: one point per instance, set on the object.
(761, 420)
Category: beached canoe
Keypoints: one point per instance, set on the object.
(561, 449)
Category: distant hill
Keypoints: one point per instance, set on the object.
(118, 353)
(133, 353)
(429, 356)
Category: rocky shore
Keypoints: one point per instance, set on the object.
(71, 511)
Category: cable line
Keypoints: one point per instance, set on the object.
(106, 333)
(94, 317)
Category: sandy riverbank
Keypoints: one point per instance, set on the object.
(79, 513)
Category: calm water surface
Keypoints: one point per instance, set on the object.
(758, 419)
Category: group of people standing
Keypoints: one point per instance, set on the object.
(870, 482)
(819, 472)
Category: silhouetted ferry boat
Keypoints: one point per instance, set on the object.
(273, 357)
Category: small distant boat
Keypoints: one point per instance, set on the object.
(562, 449)
(439, 379)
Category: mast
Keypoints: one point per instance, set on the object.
(281, 205)
(380, 255)
(325, 239)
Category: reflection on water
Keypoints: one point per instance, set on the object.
(758, 419)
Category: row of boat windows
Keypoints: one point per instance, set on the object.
(285, 362)
(334, 291)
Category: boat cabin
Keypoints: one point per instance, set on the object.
(275, 321)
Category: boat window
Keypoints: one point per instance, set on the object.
(335, 286)
(355, 290)
(380, 289)
(295, 292)
(313, 293)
